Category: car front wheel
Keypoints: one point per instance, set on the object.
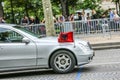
(62, 61)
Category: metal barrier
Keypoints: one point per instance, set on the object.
(82, 28)
(36, 28)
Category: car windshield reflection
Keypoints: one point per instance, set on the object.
(28, 31)
(2, 30)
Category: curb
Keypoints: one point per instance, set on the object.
(102, 46)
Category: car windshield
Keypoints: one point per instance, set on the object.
(27, 31)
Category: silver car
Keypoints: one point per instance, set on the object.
(21, 49)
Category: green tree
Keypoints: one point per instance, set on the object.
(64, 5)
(34, 7)
(91, 4)
(20, 8)
(68, 6)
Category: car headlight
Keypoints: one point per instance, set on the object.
(85, 47)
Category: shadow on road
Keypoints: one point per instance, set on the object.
(44, 72)
(25, 74)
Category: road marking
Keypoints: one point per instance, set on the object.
(78, 74)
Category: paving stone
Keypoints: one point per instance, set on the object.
(105, 66)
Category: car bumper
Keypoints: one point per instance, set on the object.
(86, 58)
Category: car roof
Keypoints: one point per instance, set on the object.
(7, 24)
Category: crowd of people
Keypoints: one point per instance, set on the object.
(59, 19)
(85, 21)
(26, 21)
(81, 16)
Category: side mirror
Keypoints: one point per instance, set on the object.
(25, 40)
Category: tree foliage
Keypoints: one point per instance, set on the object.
(91, 4)
(115, 1)
(23, 7)
(34, 7)
(64, 6)
(70, 6)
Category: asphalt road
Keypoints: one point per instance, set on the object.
(105, 66)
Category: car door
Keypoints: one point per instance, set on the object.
(15, 53)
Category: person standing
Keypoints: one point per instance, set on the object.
(24, 21)
(84, 20)
(32, 20)
(79, 16)
(37, 20)
(116, 21)
(79, 23)
(94, 15)
(105, 26)
(61, 19)
(111, 16)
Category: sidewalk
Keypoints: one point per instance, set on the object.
(105, 42)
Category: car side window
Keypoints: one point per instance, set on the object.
(9, 36)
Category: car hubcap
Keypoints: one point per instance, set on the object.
(62, 61)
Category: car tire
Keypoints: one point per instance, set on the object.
(62, 61)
